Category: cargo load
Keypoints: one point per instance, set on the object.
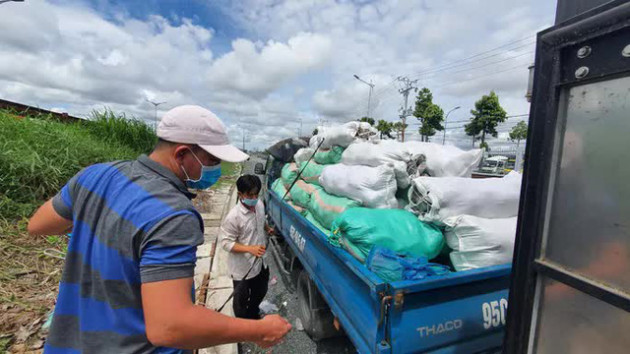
(435, 199)
(374, 187)
(326, 207)
(357, 230)
(480, 242)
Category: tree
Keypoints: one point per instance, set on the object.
(519, 132)
(385, 127)
(487, 114)
(472, 130)
(367, 119)
(399, 127)
(428, 113)
(315, 131)
(484, 145)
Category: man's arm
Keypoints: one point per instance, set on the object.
(229, 237)
(172, 320)
(46, 221)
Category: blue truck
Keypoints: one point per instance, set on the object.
(462, 312)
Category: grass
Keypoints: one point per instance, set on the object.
(38, 156)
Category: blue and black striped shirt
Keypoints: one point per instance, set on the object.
(133, 222)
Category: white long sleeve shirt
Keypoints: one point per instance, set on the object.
(244, 226)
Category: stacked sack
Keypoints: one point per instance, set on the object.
(478, 216)
(363, 193)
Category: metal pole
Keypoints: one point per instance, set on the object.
(370, 98)
(369, 94)
(445, 121)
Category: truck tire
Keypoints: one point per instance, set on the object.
(314, 313)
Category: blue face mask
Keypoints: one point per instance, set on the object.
(209, 176)
(250, 202)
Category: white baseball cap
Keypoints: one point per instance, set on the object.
(191, 124)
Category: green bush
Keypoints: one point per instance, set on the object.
(38, 156)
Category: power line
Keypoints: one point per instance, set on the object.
(487, 64)
(473, 61)
(478, 54)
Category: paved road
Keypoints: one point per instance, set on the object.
(278, 294)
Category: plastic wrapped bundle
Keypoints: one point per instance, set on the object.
(330, 156)
(303, 155)
(298, 208)
(326, 208)
(301, 193)
(289, 173)
(311, 172)
(443, 160)
(369, 154)
(359, 229)
(340, 135)
(278, 187)
(374, 187)
(435, 199)
(316, 223)
(480, 242)
(391, 266)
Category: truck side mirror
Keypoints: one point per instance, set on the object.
(259, 169)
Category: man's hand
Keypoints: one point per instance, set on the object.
(257, 250)
(276, 327)
(270, 231)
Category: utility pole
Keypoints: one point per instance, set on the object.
(407, 85)
(155, 105)
(445, 121)
(369, 95)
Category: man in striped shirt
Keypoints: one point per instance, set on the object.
(127, 284)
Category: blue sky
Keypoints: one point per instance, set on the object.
(265, 65)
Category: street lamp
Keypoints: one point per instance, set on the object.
(155, 105)
(3, 1)
(445, 121)
(369, 95)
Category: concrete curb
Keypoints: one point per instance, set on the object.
(219, 285)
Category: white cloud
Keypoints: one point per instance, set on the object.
(258, 71)
(293, 60)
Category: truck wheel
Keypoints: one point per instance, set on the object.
(315, 314)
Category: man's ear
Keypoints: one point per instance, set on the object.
(179, 152)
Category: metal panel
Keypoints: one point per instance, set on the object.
(573, 322)
(589, 230)
(352, 292)
(557, 48)
(567, 9)
(463, 317)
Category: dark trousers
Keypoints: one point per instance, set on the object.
(248, 294)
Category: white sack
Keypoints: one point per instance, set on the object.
(442, 160)
(480, 242)
(374, 187)
(435, 199)
(370, 154)
(340, 135)
(303, 155)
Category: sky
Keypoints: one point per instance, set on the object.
(271, 69)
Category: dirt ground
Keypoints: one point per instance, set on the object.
(30, 271)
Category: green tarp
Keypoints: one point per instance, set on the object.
(278, 187)
(359, 229)
(301, 193)
(316, 223)
(311, 172)
(289, 174)
(326, 207)
(329, 157)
